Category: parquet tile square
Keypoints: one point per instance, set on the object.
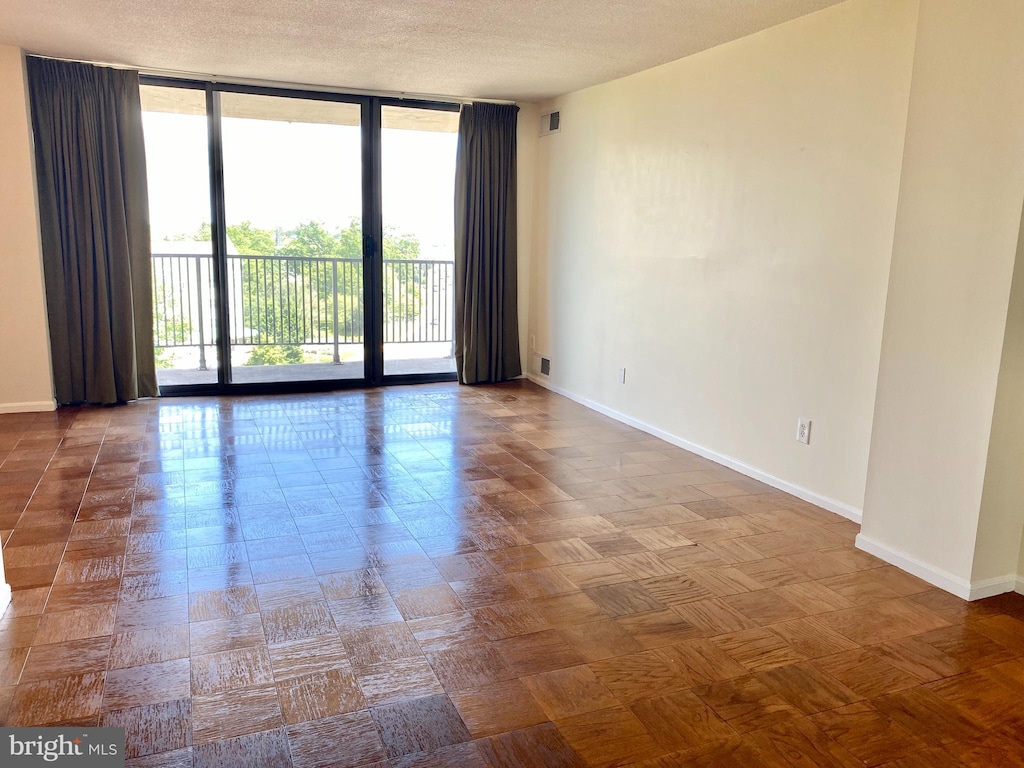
(570, 608)
(570, 691)
(624, 599)
(56, 700)
(747, 704)
(309, 656)
(153, 728)
(701, 662)
(889, 620)
(344, 741)
(145, 646)
(798, 742)
(419, 725)
(462, 755)
(437, 633)
(654, 630)
(982, 700)
(146, 684)
(538, 652)
(734, 752)
(465, 577)
(76, 624)
(867, 734)
(235, 713)
(539, 746)
(758, 649)
(681, 721)
(265, 748)
(398, 680)
(807, 688)
(319, 695)
(810, 638)
(714, 617)
(638, 676)
(867, 672)
(381, 643)
(599, 640)
(297, 622)
(609, 737)
(494, 709)
(470, 665)
(911, 707)
(508, 619)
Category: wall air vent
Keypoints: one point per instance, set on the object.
(545, 366)
(549, 123)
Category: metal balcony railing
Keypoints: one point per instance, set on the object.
(292, 300)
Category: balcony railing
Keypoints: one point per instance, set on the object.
(291, 300)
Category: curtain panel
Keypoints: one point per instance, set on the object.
(94, 222)
(486, 300)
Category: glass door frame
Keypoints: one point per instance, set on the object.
(372, 228)
(378, 264)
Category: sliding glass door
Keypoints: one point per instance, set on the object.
(293, 208)
(299, 239)
(184, 290)
(418, 189)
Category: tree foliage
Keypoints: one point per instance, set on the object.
(297, 279)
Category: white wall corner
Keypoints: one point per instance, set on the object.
(838, 507)
(992, 587)
(933, 575)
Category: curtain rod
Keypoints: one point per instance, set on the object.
(182, 74)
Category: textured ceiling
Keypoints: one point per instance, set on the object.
(502, 49)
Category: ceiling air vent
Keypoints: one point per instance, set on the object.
(549, 123)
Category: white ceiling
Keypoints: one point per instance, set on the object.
(502, 49)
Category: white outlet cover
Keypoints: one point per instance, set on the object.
(803, 431)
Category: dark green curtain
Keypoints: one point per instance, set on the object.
(94, 221)
(486, 301)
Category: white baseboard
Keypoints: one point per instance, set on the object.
(34, 407)
(850, 513)
(5, 597)
(967, 590)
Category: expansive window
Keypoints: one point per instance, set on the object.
(299, 237)
(418, 179)
(184, 289)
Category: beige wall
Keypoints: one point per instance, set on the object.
(721, 227)
(526, 148)
(953, 257)
(1020, 567)
(1001, 520)
(25, 380)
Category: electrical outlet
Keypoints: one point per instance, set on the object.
(803, 431)
(622, 375)
(533, 341)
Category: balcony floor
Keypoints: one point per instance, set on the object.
(266, 374)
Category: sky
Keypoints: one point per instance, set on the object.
(279, 174)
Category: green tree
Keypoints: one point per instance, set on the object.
(287, 302)
(251, 241)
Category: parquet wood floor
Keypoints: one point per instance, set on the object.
(454, 576)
